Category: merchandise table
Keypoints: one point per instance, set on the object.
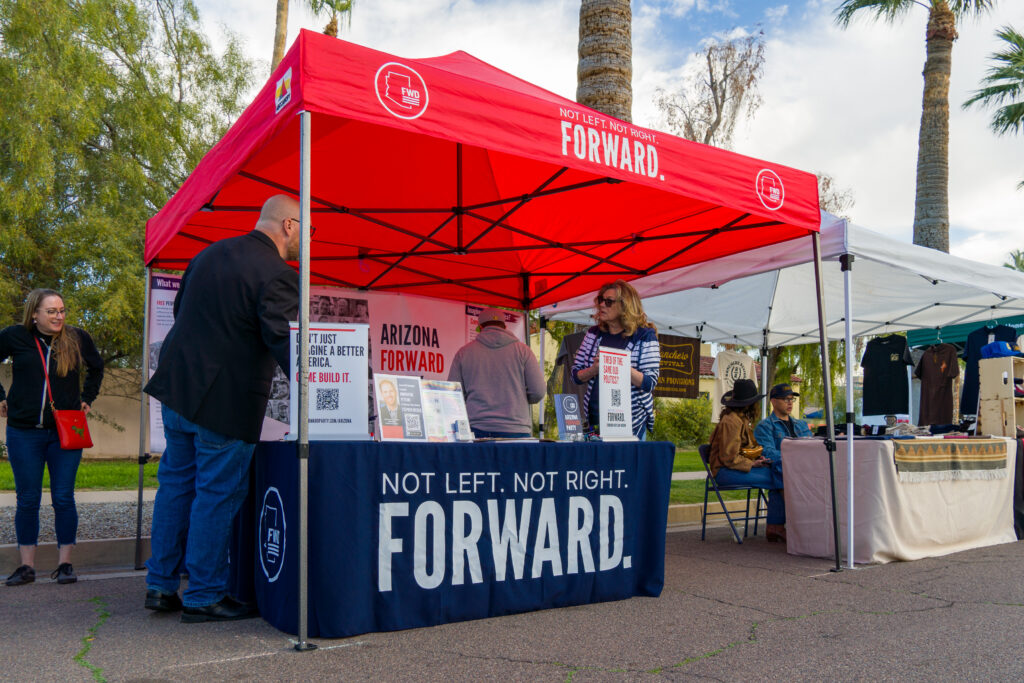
(894, 519)
(406, 535)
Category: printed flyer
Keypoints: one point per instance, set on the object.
(338, 370)
(614, 395)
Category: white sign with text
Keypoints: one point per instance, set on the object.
(614, 399)
(339, 361)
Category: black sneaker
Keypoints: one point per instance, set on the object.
(64, 573)
(22, 575)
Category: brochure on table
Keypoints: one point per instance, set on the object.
(414, 409)
(567, 411)
(614, 399)
(338, 372)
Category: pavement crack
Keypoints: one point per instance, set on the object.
(102, 614)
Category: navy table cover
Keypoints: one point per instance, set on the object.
(400, 535)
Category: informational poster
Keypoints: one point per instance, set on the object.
(567, 411)
(162, 290)
(399, 408)
(514, 323)
(680, 367)
(616, 406)
(338, 371)
(444, 411)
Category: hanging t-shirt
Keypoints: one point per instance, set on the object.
(728, 367)
(885, 364)
(972, 354)
(937, 369)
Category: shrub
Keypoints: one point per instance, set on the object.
(683, 421)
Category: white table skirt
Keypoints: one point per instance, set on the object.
(892, 520)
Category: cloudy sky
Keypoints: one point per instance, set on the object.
(846, 103)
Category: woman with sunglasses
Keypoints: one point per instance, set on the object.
(621, 324)
(32, 441)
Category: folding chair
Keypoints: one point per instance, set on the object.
(761, 502)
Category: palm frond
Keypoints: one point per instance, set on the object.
(1004, 82)
(887, 10)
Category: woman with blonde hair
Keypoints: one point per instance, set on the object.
(32, 441)
(621, 324)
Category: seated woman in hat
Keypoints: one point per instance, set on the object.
(731, 438)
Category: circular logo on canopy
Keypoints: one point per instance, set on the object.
(272, 536)
(401, 90)
(769, 189)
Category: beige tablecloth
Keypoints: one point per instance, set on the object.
(892, 520)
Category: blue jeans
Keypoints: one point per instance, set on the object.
(29, 450)
(203, 479)
(765, 477)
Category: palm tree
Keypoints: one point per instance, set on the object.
(931, 205)
(1015, 260)
(1004, 85)
(336, 7)
(604, 75)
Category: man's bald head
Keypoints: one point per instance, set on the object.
(279, 219)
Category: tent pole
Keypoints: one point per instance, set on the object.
(143, 420)
(826, 375)
(764, 374)
(851, 413)
(303, 365)
(542, 323)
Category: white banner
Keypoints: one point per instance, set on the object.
(162, 290)
(614, 399)
(338, 372)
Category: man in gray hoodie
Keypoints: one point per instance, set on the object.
(500, 378)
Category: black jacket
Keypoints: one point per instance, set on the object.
(231, 319)
(26, 405)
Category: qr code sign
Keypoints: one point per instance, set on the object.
(327, 399)
(616, 397)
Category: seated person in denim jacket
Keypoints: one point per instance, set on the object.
(780, 423)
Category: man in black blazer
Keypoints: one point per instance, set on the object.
(231, 324)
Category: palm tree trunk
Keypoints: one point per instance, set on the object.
(931, 206)
(604, 76)
(280, 33)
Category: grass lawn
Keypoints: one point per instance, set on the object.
(693, 492)
(99, 475)
(687, 461)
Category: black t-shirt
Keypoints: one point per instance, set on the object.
(885, 364)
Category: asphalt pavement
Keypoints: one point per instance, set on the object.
(728, 612)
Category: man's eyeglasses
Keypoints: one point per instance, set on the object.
(606, 301)
(788, 399)
(312, 228)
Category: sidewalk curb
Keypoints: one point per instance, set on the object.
(90, 555)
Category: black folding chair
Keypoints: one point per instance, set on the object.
(760, 502)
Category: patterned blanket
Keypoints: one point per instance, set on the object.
(944, 459)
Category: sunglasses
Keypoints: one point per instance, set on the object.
(606, 301)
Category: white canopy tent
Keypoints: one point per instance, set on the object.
(872, 283)
(765, 297)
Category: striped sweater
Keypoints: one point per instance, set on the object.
(645, 356)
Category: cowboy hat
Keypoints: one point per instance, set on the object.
(743, 394)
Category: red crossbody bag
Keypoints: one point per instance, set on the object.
(72, 429)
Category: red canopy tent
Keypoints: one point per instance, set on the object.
(450, 178)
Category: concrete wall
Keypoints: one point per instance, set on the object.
(116, 407)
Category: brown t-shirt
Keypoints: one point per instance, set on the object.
(937, 369)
